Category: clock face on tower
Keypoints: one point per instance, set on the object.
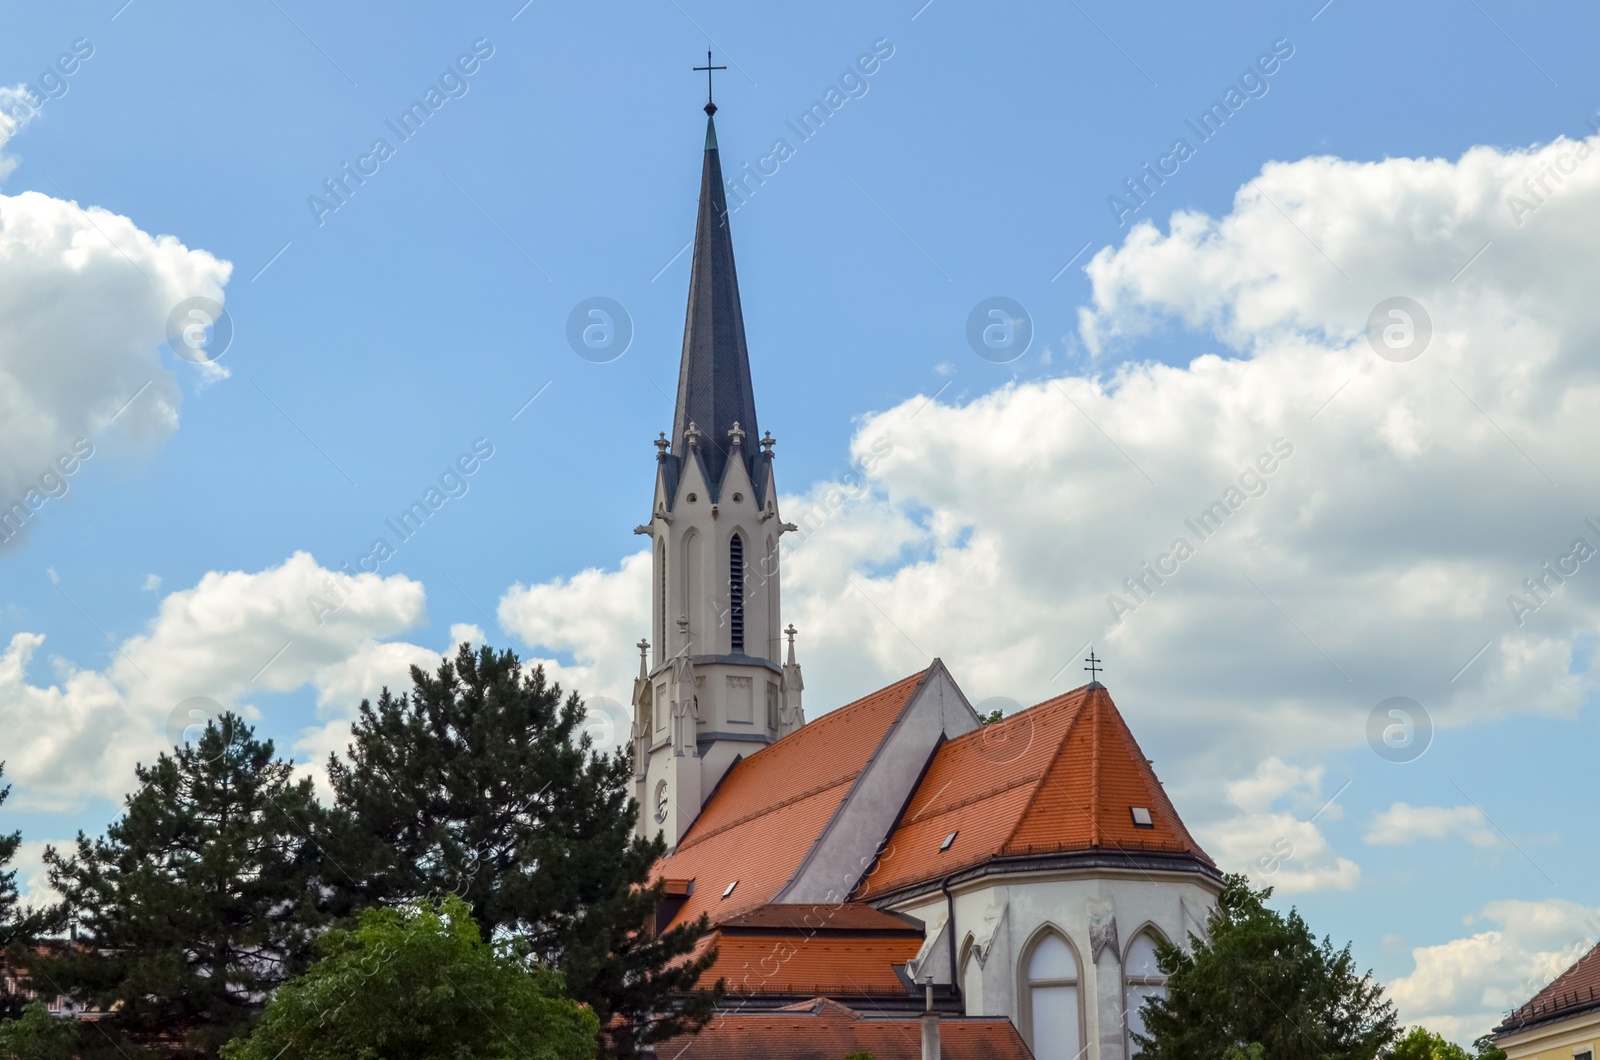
(661, 801)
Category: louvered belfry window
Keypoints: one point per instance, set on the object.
(736, 593)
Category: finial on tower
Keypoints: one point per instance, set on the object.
(735, 436)
(790, 631)
(644, 657)
(1094, 669)
(691, 437)
(661, 443)
(711, 108)
(767, 442)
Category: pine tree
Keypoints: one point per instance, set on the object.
(1261, 985)
(482, 783)
(8, 877)
(199, 901)
(13, 929)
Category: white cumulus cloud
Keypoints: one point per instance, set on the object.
(1377, 517)
(1463, 987)
(232, 636)
(1403, 824)
(84, 299)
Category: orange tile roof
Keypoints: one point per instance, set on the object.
(1574, 991)
(809, 919)
(827, 1030)
(787, 963)
(770, 808)
(1060, 776)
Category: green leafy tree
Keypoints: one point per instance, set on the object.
(199, 901)
(482, 783)
(421, 982)
(1261, 985)
(1486, 1049)
(1422, 1044)
(37, 1035)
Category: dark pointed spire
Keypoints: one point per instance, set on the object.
(714, 390)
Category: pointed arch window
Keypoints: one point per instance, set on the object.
(1052, 999)
(736, 593)
(971, 979)
(1142, 979)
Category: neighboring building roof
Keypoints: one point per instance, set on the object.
(714, 388)
(826, 1030)
(840, 950)
(841, 964)
(1065, 775)
(770, 809)
(812, 919)
(1573, 992)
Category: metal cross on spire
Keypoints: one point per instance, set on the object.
(711, 108)
(1094, 666)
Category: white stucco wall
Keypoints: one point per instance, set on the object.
(1173, 904)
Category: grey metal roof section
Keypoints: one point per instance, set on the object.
(714, 390)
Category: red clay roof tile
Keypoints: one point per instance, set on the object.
(1575, 990)
(811, 919)
(787, 963)
(770, 808)
(1063, 775)
(826, 1030)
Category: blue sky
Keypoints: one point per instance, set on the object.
(375, 343)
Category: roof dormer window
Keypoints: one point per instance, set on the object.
(1141, 817)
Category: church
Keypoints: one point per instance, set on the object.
(896, 876)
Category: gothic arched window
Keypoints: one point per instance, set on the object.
(1052, 1003)
(1142, 979)
(736, 593)
(971, 979)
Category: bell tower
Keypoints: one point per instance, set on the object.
(714, 684)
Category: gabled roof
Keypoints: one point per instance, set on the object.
(769, 809)
(1574, 991)
(826, 1030)
(714, 388)
(1062, 776)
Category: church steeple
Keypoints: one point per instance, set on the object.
(714, 388)
(717, 686)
